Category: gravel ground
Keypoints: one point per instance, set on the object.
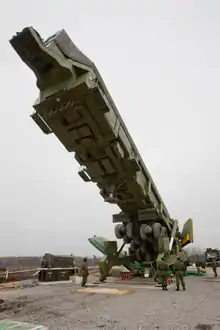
(62, 307)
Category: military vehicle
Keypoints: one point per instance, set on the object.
(211, 254)
(54, 261)
(56, 267)
(114, 256)
(76, 106)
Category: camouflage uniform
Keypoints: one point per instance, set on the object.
(214, 268)
(198, 267)
(179, 269)
(84, 272)
(162, 272)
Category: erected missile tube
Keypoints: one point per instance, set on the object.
(76, 106)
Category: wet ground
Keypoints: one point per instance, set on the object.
(61, 306)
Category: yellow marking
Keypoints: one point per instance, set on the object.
(103, 290)
(185, 239)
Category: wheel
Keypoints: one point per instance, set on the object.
(119, 231)
(164, 232)
(148, 230)
(145, 231)
(142, 232)
(129, 229)
(156, 227)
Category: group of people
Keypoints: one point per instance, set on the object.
(213, 265)
(163, 269)
(178, 270)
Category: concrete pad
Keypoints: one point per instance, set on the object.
(132, 284)
(104, 290)
(138, 281)
(136, 287)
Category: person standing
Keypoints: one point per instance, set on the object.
(179, 269)
(214, 267)
(84, 272)
(198, 267)
(162, 272)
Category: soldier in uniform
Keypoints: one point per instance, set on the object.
(198, 267)
(214, 267)
(179, 269)
(162, 272)
(84, 272)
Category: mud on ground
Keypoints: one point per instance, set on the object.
(62, 307)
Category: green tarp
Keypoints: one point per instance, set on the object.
(15, 325)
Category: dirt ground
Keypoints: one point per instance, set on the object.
(61, 307)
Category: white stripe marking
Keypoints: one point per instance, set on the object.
(15, 325)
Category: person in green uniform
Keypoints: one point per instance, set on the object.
(214, 267)
(179, 269)
(84, 272)
(162, 272)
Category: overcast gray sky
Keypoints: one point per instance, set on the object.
(161, 63)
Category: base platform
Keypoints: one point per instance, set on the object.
(103, 290)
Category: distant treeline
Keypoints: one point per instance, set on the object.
(17, 263)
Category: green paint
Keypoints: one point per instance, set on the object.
(4, 325)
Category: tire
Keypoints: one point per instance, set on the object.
(119, 228)
(142, 232)
(164, 232)
(145, 231)
(129, 230)
(156, 230)
(148, 230)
